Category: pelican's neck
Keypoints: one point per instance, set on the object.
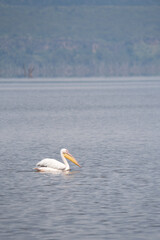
(65, 162)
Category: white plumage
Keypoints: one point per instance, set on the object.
(52, 165)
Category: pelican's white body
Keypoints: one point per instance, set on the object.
(52, 165)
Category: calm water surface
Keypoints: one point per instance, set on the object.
(113, 130)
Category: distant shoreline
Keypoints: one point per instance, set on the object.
(81, 79)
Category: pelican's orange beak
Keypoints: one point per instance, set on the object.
(71, 158)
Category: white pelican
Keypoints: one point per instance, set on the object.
(52, 165)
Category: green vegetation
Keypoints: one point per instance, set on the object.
(79, 38)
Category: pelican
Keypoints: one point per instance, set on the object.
(52, 165)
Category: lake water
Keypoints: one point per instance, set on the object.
(112, 127)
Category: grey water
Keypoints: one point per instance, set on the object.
(112, 127)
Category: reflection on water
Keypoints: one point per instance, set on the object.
(57, 172)
(112, 128)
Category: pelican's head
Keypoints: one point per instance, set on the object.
(67, 155)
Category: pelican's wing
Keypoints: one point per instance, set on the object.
(51, 163)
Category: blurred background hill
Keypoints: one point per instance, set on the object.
(77, 38)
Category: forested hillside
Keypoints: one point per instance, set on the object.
(79, 38)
